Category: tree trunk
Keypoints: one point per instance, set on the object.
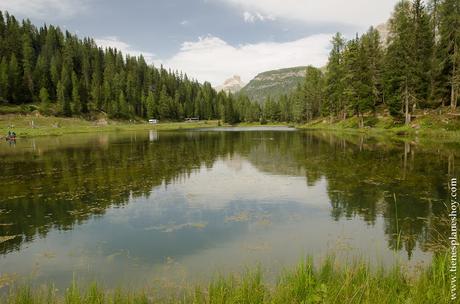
(407, 114)
(406, 152)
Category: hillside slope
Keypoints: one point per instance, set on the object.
(274, 83)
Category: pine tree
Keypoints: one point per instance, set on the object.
(55, 69)
(271, 110)
(181, 112)
(423, 52)
(254, 112)
(449, 51)
(352, 78)
(44, 100)
(2, 33)
(27, 65)
(66, 80)
(85, 82)
(4, 79)
(313, 88)
(229, 114)
(76, 104)
(63, 101)
(335, 76)
(285, 108)
(435, 68)
(371, 55)
(151, 111)
(400, 72)
(123, 110)
(175, 108)
(164, 104)
(14, 80)
(299, 106)
(96, 98)
(41, 73)
(198, 105)
(108, 95)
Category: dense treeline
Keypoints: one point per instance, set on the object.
(71, 76)
(417, 66)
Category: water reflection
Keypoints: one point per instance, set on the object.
(141, 204)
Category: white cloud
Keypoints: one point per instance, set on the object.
(214, 60)
(248, 17)
(251, 185)
(251, 18)
(45, 8)
(125, 48)
(353, 12)
(185, 22)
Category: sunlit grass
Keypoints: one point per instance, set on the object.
(32, 126)
(329, 283)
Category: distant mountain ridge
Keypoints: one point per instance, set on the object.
(274, 83)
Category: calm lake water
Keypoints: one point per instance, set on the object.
(164, 208)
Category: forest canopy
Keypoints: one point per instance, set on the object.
(69, 76)
(416, 67)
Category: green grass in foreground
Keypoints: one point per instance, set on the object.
(329, 283)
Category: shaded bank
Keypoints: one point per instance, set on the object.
(431, 126)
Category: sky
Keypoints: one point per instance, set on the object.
(211, 40)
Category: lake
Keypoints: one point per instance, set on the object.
(174, 208)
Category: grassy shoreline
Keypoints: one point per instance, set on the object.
(429, 127)
(329, 283)
(34, 126)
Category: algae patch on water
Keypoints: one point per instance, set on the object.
(176, 227)
(240, 217)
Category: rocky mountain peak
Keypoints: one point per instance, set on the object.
(231, 85)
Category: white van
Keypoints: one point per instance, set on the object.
(153, 121)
